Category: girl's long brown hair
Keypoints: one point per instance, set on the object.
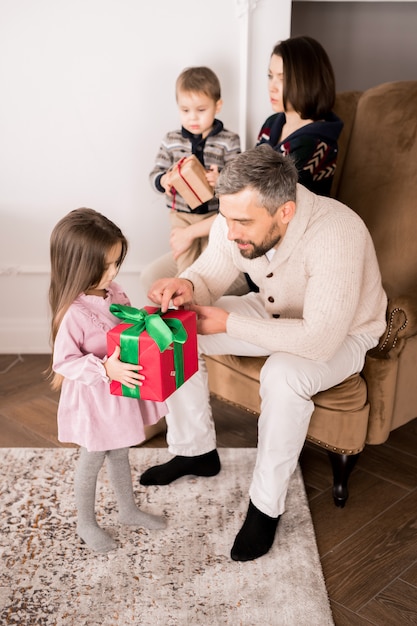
(79, 245)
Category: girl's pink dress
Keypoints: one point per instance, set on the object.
(88, 414)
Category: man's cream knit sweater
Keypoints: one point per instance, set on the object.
(323, 281)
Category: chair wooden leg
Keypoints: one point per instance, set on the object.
(342, 465)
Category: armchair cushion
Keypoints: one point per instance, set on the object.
(339, 421)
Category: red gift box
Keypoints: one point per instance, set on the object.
(165, 370)
(189, 180)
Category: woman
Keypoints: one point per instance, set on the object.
(302, 93)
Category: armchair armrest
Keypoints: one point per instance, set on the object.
(401, 324)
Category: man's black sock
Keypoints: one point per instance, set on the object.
(256, 536)
(203, 465)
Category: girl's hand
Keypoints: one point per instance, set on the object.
(125, 373)
(180, 240)
(212, 175)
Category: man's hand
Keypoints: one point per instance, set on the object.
(179, 290)
(210, 319)
(125, 373)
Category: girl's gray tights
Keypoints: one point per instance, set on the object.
(118, 466)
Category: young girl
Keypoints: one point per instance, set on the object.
(87, 251)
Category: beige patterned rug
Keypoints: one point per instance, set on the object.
(179, 576)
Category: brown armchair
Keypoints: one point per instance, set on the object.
(377, 178)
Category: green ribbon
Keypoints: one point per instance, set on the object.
(163, 331)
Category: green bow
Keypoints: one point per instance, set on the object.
(163, 331)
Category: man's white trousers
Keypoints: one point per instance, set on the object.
(287, 384)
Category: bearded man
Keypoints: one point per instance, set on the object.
(320, 307)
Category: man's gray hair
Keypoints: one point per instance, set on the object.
(273, 175)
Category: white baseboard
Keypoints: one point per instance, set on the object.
(24, 336)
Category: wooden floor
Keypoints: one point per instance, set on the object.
(368, 549)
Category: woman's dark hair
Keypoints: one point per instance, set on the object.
(309, 82)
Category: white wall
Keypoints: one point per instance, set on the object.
(87, 92)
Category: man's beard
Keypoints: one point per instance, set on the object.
(257, 251)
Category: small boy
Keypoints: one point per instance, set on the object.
(198, 97)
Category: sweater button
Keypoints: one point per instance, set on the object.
(271, 299)
(270, 275)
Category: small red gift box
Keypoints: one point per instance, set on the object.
(189, 180)
(165, 344)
